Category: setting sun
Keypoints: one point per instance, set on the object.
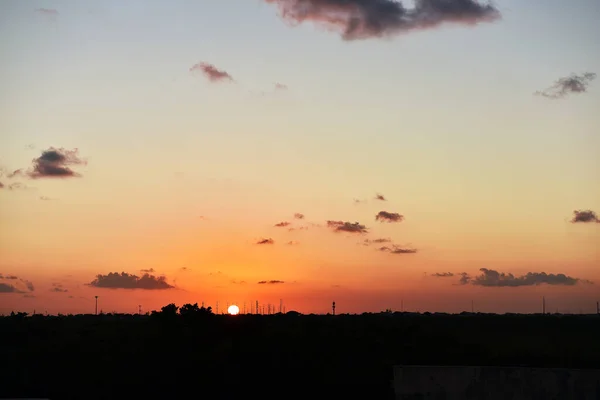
(233, 310)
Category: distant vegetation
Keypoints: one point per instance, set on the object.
(188, 351)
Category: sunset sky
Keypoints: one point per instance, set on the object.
(171, 137)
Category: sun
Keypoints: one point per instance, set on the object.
(233, 310)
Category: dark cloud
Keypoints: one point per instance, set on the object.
(584, 216)
(365, 19)
(54, 163)
(274, 282)
(147, 271)
(341, 226)
(282, 224)
(266, 241)
(211, 72)
(492, 278)
(14, 284)
(114, 280)
(567, 85)
(299, 216)
(8, 288)
(443, 274)
(397, 250)
(380, 197)
(385, 216)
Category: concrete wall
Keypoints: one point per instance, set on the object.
(494, 383)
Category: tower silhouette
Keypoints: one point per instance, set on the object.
(333, 308)
(96, 312)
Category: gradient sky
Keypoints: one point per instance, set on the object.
(184, 175)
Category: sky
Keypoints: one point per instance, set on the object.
(428, 155)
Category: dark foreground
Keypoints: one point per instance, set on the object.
(264, 357)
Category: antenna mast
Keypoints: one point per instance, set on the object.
(333, 307)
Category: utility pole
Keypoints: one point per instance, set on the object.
(333, 307)
(96, 305)
(543, 305)
(256, 307)
(140, 309)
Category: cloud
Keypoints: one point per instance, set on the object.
(384, 216)
(13, 186)
(54, 163)
(184, 269)
(211, 72)
(367, 242)
(236, 282)
(14, 284)
(292, 243)
(266, 241)
(341, 226)
(47, 11)
(397, 250)
(274, 282)
(443, 274)
(584, 216)
(380, 197)
(114, 280)
(299, 216)
(366, 19)
(1, 185)
(282, 224)
(567, 85)
(59, 290)
(280, 86)
(147, 271)
(492, 278)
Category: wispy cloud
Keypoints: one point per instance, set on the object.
(123, 280)
(273, 282)
(380, 197)
(280, 86)
(299, 216)
(282, 224)
(211, 72)
(573, 84)
(443, 274)
(394, 249)
(365, 19)
(266, 241)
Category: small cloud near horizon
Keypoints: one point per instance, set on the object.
(282, 224)
(443, 274)
(385, 216)
(123, 280)
(492, 278)
(341, 226)
(380, 197)
(14, 284)
(266, 241)
(394, 249)
(211, 72)
(53, 163)
(273, 282)
(584, 216)
(298, 216)
(573, 84)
